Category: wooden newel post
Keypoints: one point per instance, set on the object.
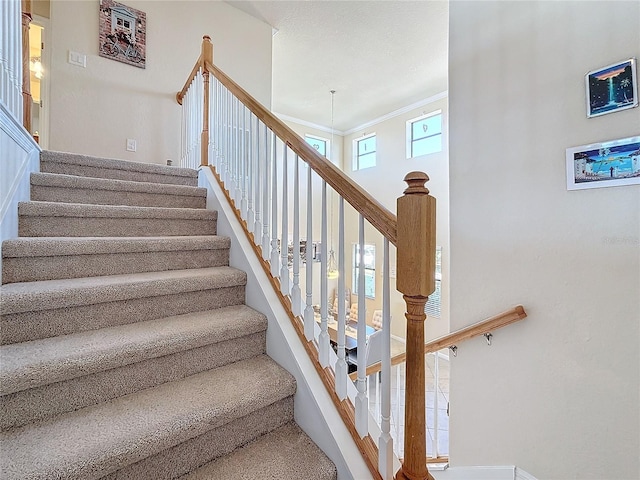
(416, 247)
(206, 56)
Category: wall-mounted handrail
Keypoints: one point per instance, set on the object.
(455, 338)
(480, 328)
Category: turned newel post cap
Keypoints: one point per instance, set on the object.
(416, 182)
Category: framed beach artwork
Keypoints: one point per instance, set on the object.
(123, 33)
(607, 164)
(612, 88)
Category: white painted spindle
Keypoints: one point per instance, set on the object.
(341, 363)
(385, 442)
(257, 226)
(265, 193)
(296, 296)
(309, 318)
(275, 257)
(284, 244)
(251, 174)
(244, 159)
(362, 403)
(323, 341)
(436, 387)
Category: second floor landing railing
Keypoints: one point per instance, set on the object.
(283, 193)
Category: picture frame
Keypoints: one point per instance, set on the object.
(612, 88)
(122, 32)
(606, 164)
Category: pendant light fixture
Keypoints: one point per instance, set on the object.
(332, 267)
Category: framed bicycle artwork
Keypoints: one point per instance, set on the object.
(123, 33)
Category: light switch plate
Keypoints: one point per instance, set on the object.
(78, 59)
(131, 145)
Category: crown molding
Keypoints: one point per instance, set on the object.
(400, 111)
(395, 113)
(322, 128)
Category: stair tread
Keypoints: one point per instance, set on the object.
(97, 440)
(75, 181)
(54, 246)
(45, 361)
(50, 294)
(59, 209)
(112, 163)
(285, 453)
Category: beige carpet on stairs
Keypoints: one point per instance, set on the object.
(126, 349)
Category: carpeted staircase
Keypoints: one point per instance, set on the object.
(127, 350)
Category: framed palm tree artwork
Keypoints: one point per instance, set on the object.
(612, 88)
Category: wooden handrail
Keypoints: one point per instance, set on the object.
(455, 338)
(194, 71)
(485, 326)
(381, 218)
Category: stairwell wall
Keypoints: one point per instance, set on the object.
(95, 109)
(314, 410)
(556, 394)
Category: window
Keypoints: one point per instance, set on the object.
(364, 152)
(424, 135)
(432, 307)
(320, 144)
(369, 270)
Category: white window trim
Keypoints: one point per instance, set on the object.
(409, 129)
(326, 140)
(354, 160)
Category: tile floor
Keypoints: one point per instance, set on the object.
(441, 432)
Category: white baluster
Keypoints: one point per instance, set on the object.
(323, 341)
(223, 135)
(436, 386)
(341, 363)
(218, 126)
(250, 175)
(284, 244)
(296, 296)
(362, 403)
(309, 318)
(275, 257)
(265, 193)
(213, 97)
(385, 442)
(234, 154)
(239, 155)
(244, 164)
(257, 231)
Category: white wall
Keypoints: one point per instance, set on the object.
(19, 155)
(558, 393)
(385, 183)
(95, 109)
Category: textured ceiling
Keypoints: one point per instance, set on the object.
(378, 56)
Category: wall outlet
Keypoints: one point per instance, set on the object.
(131, 145)
(77, 59)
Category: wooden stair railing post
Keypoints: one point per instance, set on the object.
(416, 251)
(206, 56)
(26, 73)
